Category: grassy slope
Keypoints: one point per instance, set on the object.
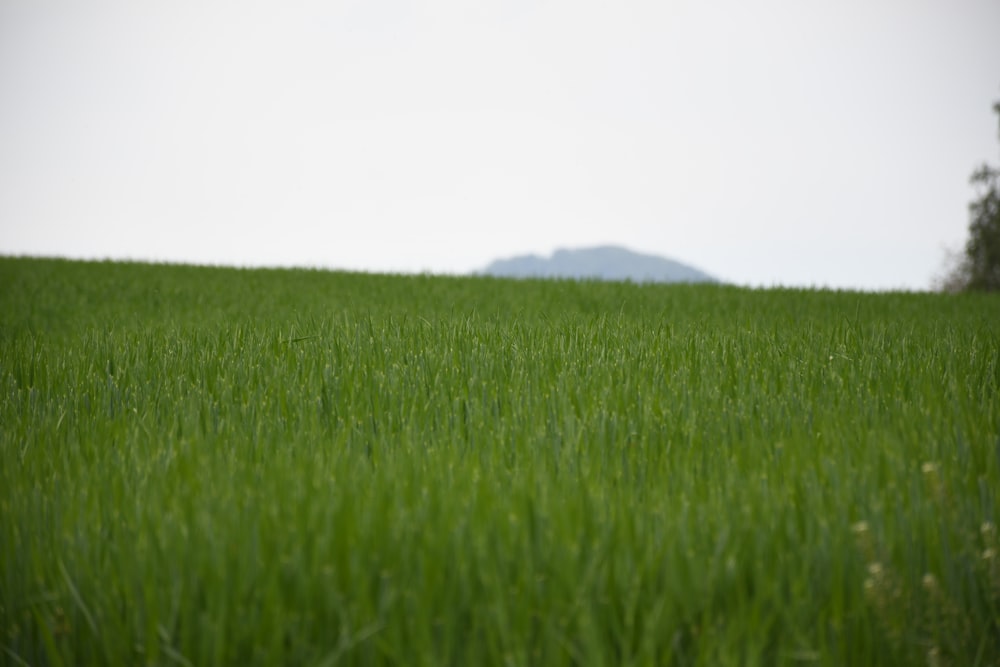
(295, 467)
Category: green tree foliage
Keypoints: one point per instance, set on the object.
(979, 268)
(983, 247)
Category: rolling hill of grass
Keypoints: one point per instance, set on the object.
(219, 466)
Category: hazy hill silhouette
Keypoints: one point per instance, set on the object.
(601, 262)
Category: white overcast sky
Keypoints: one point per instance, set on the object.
(792, 142)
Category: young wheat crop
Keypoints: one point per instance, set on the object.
(219, 466)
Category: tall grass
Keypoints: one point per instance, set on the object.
(216, 466)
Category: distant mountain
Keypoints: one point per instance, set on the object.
(602, 262)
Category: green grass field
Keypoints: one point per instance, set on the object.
(207, 466)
